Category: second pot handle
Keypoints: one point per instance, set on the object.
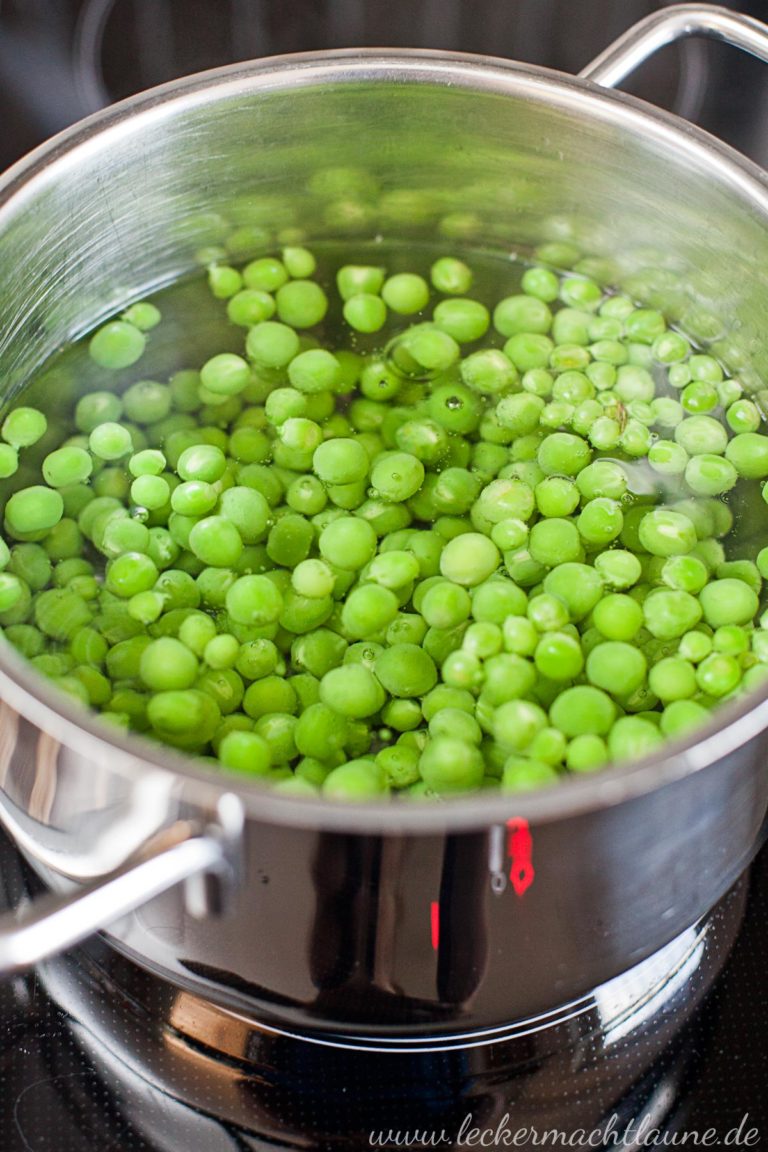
(676, 22)
(205, 857)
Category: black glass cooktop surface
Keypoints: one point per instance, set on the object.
(99, 1077)
(62, 59)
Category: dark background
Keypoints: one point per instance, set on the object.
(61, 59)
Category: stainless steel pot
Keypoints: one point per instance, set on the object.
(382, 918)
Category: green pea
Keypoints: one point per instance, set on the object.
(118, 344)
(365, 312)
(301, 303)
(33, 510)
(405, 293)
(451, 276)
(23, 427)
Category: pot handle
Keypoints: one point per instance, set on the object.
(668, 25)
(205, 857)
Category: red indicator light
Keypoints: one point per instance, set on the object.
(434, 920)
(520, 851)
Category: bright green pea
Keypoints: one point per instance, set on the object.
(668, 458)
(353, 691)
(347, 543)
(469, 559)
(489, 372)
(633, 737)
(356, 279)
(554, 541)
(616, 667)
(186, 718)
(728, 601)
(150, 492)
(245, 752)
(110, 441)
(523, 774)
(528, 350)
(397, 475)
(216, 542)
(405, 293)
(670, 613)
(225, 374)
(687, 573)
(666, 533)
(147, 402)
(718, 674)
(463, 319)
(272, 344)
(600, 521)
(743, 416)
(423, 350)
(368, 609)
(563, 453)
(250, 307)
(167, 664)
(254, 600)
(451, 276)
(265, 274)
(32, 510)
(117, 345)
(148, 462)
(130, 573)
(143, 315)
(541, 283)
(586, 753)
(618, 617)
(314, 371)
(583, 710)
(522, 314)
(356, 780)
(224, 281)
(673, 679)
(449, 764)
(704, 434)
(365, 312)
(748, 453)
(301, 303)
(558, 656)
(9, 460)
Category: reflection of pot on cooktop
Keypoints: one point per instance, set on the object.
(60, 59)
(108, 1056)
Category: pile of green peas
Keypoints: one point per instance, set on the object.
(440, 545)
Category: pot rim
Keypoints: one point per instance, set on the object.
(32, 697)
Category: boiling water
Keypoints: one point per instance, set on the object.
(194, 327)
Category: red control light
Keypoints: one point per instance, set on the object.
(520, 853)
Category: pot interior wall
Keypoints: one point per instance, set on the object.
(345, 146)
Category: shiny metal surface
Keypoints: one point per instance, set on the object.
(170, 1053)
(333, 919)
(64, 922)
(205, 859)
(627, 53)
